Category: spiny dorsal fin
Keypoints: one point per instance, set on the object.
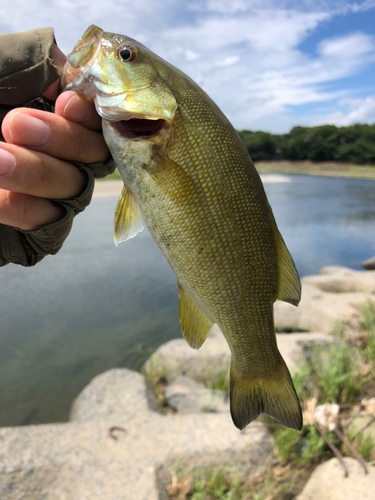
(289, 283)
(195, 325)
(128, 218)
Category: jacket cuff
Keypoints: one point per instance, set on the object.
(25, 57)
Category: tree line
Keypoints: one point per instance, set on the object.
(354, 144)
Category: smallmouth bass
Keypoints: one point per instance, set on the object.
(190, 179)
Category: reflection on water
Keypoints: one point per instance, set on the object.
(94, 306)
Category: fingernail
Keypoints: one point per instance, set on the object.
(77, 110)
(28, 130)
(7, 162)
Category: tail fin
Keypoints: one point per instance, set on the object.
(273, 395)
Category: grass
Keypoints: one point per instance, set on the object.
(367, 329)
(218, 380)
(221, 483)
(156, 376)
(328, 374)
(337, 374)
(111, 177)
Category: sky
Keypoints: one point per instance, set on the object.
(268, 64)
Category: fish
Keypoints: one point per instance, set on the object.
(189, 178)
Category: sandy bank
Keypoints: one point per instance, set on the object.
(113, 188)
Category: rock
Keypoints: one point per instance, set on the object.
(180, 359)
(338, 279)
(369, 263)
(295, 346)
(327, 482)
(79, 460)
(319, 310)
(185, 395)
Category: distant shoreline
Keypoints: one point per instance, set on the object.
(328, 169)
(112, 185)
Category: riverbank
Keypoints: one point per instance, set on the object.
(112, 184)
(113, 187)
(328, 169)
(119, 444)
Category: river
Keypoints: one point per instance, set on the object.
(93, 306)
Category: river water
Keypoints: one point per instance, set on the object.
(94, 307)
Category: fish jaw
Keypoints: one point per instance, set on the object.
(121, 90)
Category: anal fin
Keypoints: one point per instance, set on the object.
(289, 283)
(128, 218)
(195, 325)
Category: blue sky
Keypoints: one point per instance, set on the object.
(269, 64)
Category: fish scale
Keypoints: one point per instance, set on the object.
(195, 187)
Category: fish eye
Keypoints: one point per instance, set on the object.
(127, 54)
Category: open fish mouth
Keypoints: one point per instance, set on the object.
(136, 128)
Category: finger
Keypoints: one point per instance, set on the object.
(78, 109)
(54, 135)
(27, 212)
(37, 174)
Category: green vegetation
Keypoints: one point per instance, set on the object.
(341, 373)
(221, 483)
(156, 375)
(337, 374)
(218, 380)
(367, 330)
(329, 374)
(352, 144)
(112, 177)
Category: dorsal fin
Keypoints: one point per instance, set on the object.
(128, 218)
(289, 283)
(195, 325)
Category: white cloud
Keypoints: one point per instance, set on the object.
(361, 111)
(227, 61)
(352, 46)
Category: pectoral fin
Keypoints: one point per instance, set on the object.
(174, 181)
(128, 218)
(195, 325)
(289, 283)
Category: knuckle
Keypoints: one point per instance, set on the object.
(23, 205)
(82, 147)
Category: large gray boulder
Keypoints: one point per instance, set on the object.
(320, 310)
(327, 482)
(79, 460)
(339, 279)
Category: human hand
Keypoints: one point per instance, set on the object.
(32, 161)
